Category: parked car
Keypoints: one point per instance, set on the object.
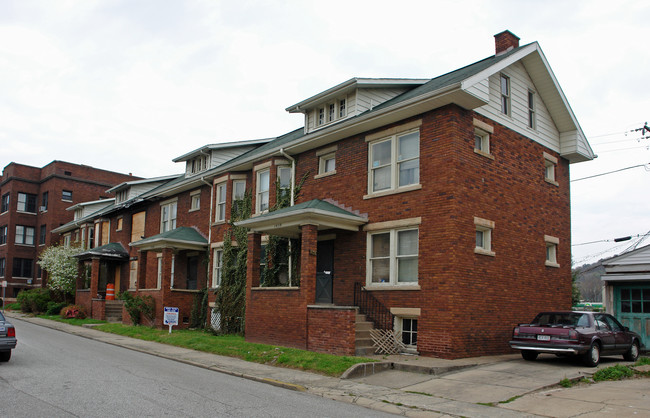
(585, 334)
(7, 339)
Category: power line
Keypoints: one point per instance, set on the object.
(646, 166)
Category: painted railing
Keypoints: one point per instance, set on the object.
(374, 310)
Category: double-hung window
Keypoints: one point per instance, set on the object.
(4, 206)
(26, 202)
(3, 265)
(23, 267)
(168, 216)
(195, 200)
(217, 263)
(263, 185)
(550, 162)
(42, 235)
(395, 162)
(504, 84)
(24, 235)
(484, 229)
(44, 201)
(66, 195)
(221, 202)
(3, 234)
(238, 194)
(284, 177)
(393, 257)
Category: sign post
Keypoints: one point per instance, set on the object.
(170, 317)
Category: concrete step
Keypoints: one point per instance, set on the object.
(363, 326)
(364, 351)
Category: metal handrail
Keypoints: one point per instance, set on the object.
(372, 308)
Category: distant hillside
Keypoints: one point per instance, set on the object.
(589, 283)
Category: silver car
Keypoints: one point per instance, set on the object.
(7, 339)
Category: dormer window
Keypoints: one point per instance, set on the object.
(331, 112)
(198, 164)
(78, 214)
(121, 196)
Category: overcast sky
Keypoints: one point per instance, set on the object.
(129, 85)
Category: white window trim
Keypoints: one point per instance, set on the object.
(508, 96)
(159, 276)
(393, 259)
(119, 224)
(399, 327)
(277, 175)
(194, 194)
(322, 164)
(216, 285)
(234, 189)
(552, 242)
(258, 191)
(169, 204)
(485, 226)
(221, 201)
(394, 165)
(532, 112)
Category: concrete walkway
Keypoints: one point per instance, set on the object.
(496, 386)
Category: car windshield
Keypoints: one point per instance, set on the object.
(562, 319)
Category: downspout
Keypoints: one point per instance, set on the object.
(209, 231)
(293, 173)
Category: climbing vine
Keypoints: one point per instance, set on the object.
(279, 250)
(231, 297)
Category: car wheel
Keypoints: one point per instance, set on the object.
(5, 356)
(633, 353)
(529, 355)
(592, 357)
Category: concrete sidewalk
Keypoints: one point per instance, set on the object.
(420, 386)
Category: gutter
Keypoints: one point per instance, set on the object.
(209, 227)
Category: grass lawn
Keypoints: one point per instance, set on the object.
(229, 345)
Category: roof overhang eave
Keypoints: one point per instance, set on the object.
(160, 243)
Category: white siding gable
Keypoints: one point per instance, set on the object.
(545, 132)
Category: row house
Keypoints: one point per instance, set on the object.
(33, 203)
(434, 211)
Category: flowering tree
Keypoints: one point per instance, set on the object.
(61, 267)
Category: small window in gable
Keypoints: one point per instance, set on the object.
(484, 229)
(532, 123)
(321, 116)
(121, 196)
(551, 250)
(550, 163)
(505, 94)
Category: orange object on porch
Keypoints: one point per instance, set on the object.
(110, 291)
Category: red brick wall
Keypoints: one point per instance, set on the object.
(331, 330)
(98, 309)
(464, 297)
(277, 316)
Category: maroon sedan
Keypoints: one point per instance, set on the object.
(585, 334)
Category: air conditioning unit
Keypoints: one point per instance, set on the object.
(42, 208)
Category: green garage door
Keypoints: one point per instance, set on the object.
(633, 309)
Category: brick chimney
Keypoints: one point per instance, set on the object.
(505, 41)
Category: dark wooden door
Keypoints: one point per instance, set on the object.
(324, 272)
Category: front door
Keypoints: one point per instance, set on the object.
(324, 271)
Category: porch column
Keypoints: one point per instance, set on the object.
(141, 282)
(308, 246)
(94, 278)
(166, 279)
(253, 260)
(81, 270)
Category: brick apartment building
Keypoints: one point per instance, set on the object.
(33, 202)
(438, 209)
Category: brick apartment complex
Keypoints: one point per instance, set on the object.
(34, 202)
(435, 209)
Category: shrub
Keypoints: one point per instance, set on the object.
(73, 311)
(34, 300)
(54, 308)
(136, 305)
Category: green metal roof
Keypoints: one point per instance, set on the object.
(113, 250)
(286, 222)
(185, 238)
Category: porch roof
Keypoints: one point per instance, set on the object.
(181, 238)
(286, 222)
(113, 250)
